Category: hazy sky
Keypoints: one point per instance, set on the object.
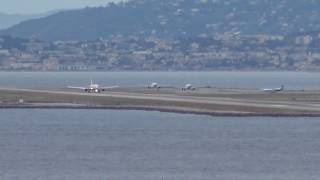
(36, 6)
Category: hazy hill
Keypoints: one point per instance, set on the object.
(8, 20)
(176, 18)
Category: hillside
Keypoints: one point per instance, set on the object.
(8, 20)
(175, 19)
(260, 52)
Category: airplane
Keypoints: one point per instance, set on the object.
(274, 89)
(187, 87)
(190, 87)
(93, 88)
(155, 85)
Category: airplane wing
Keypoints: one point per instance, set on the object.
(109, 87)
(267, 89)
(74, 87)
(204, 87)
(158, 86)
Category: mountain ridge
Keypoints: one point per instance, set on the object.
(175, 19)
(8, 20)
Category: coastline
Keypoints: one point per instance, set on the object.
(157, 109)
(167, 110)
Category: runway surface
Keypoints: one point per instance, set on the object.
(195, 99)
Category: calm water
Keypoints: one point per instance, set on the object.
(135, 145)
(45, 80)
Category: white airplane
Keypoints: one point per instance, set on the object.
(190, 87)
(274, 89)
(187, 87)
(93, 88)
(155, 85)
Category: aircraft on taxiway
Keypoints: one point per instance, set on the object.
(274, 89)
(93, 88)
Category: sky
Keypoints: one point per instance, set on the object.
(40, 6)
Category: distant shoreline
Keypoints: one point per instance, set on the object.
(159, 71)
(157, 109)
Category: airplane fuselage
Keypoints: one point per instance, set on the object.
(94, 88)
(154, 86)
(274, 90)
(188, 87)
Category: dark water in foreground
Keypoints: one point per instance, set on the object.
(135, 145)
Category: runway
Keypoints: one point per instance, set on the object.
(251, 102)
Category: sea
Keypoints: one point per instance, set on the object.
(64, 144)
(220, 79)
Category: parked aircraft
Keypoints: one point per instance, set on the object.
(93, 88)
(190, 87)
(155, 85)
(187, 87)
(274, 89)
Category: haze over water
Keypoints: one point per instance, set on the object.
(49, 80)
(135, 145)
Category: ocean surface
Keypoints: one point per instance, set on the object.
(60, 144)
(59, 80)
